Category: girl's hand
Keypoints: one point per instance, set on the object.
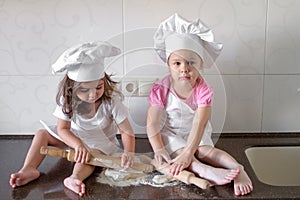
(162, 154)
(127, 159)
(179, 163)
(82, 153)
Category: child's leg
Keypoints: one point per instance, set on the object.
(80, 172)
(33, 159)
(217, 176)
(219, 158)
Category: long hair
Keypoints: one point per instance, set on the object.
(66, 96)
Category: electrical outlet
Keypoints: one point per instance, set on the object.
(135, 86)
(129, 87)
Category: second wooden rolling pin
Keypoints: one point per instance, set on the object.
(97, 159)
(184, 176)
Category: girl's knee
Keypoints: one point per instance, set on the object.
(45, 136)
(204, 150)
(42, 133)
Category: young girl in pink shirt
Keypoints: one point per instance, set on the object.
(178, 124)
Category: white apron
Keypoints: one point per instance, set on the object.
(93, 138)
(177, 123)
(98, 132)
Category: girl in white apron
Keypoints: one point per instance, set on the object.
(89, 112)
(180, 106)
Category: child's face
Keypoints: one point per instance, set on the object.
(90, 92)
(184, 66)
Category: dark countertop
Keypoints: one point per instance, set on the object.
(54, 170)
(236, 144)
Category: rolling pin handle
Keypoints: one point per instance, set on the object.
(204, 184)
(53, 151)
(70, 156)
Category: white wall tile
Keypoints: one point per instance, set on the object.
(219, 107)
(281, 103)
(34, 33)
(233, 22)
(25, 101)
(244, 103)
(139, 55)
(138, 107)
(283, 41)
(241, 32)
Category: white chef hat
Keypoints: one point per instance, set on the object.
(176, 33)
(85, 62)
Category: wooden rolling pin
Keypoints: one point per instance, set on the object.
(97, 159)
(184, 176)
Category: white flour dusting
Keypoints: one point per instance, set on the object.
(122, 178)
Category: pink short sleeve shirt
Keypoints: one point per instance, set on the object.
(201, 97)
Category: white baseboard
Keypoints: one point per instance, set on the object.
(16, 133)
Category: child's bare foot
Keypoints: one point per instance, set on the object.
(217, 176)
(75, 185)
(23, 177)
(242, 184)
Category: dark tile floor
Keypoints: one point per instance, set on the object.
(54, 170)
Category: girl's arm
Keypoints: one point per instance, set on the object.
(128, 141)
(81, 151)
(154, 136)
(184, 159)
(127, 136)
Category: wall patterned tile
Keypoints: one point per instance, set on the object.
(32, 36)
(26, 100)
(219, 108)
(281, 103)
(34, 33)
(244, 103)
(283, 42)
(233, 22)
(255, 73)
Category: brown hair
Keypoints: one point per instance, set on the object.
(66, 96)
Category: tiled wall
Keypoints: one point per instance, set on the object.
(256, 78)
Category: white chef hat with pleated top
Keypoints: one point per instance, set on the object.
(85, 62)
(177, 33)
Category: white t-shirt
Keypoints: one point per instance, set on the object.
(98, 132)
